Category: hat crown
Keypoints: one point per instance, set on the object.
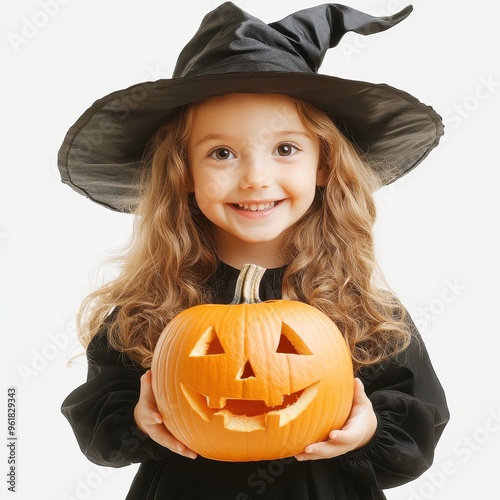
(231, 40)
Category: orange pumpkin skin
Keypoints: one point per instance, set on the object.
(249, 382)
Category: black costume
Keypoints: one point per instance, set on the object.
(406, 395)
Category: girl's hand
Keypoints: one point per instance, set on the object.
(358, 430)
(150, 422)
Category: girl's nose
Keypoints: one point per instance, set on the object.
(255, 175)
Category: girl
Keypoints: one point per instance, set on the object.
(250, 166)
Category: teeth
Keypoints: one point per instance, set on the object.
(216, 403)
(255, 207)
(275, 400)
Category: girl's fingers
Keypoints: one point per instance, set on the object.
(346, 436)
(322, 450)
(326, 449)
(147, 388)
(149, 409)
(356, 432)
(151, 422)
(151, 418)
(360, 396)
(161, 435)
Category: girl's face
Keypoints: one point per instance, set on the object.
(255, 169)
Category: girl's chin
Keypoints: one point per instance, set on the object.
(241, 237)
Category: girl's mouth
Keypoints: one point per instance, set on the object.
(255, 207)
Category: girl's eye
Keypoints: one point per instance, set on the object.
(221, 154)
(285, 150)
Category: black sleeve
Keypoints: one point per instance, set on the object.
(412, 412)
(101, 411)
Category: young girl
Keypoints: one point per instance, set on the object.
(251, 162)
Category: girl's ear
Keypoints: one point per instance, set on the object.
(320, 177)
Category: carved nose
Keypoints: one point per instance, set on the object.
(246, 371)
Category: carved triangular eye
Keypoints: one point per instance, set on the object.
(290, 342)
(208, 344)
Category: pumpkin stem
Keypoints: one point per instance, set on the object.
(247, 286)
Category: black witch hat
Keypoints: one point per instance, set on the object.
(234, 52)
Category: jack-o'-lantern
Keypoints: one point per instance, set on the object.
(252, 380)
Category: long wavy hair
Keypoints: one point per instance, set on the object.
(173, 254)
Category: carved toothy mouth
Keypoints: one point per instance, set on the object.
(246, 415)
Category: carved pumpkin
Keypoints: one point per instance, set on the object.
(252, 380)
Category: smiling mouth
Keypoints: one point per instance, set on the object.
(247, 415)
(255, 207)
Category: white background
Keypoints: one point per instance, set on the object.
(436, 234)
